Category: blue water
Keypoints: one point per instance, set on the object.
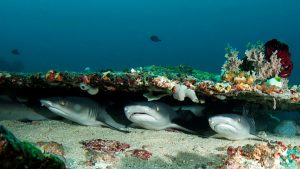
(74, 34)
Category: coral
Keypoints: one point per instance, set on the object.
(139, 153)
(222, 87)
(268, 60)
(239, 78)
(156, 79)
(282, 52)
(52, 75)
(271, 155)
(275, 81)
(108, 146)
(262, 67)
(103, 153)
(163, 82)
(265, 61)
(181, 91)
(269, 89)
(91, 90)
(232, 63)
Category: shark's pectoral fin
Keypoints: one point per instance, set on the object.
(176, 126)
(216, 136)
(134, 125)
(110, 122)
(117, 126)
(114, 125)
(121, 129)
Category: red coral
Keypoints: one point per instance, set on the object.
(142, 154)
(283, 53)
(108, 146)
(50, 76)
(231, 151)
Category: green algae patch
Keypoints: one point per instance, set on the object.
(19, 154)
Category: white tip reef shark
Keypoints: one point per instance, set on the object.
(232, 126)
(153, 116)
(82, 110)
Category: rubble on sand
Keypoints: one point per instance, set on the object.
(51, 147)
(104, 153)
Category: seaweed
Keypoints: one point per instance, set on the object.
(18, 154)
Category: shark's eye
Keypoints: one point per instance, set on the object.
(157, 109)
(239, 120)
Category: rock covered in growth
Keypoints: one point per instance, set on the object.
(51, 147)
(158, 81)
(139, 153)
(271, 155)
(107, 146)
(27, 155)
(103, 153)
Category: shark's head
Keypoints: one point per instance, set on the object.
(149, 115)
(230, 126)
(73, 108)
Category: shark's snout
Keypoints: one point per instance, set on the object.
(46, 103)
(127, 112)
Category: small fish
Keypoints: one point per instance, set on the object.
(153, 116)
(232, 126)
(155, 38)
(15, 52)
(82, 110)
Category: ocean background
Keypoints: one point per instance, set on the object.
(101, 34)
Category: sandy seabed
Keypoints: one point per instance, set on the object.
(170, 150)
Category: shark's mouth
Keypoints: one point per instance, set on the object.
(142, 115)
(46, 103)
(224, 127)
(52, 108)
(57, 111)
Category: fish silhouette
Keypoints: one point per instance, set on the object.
(15, 52)
(155, 38)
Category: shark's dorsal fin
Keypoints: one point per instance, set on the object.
(114, 125)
